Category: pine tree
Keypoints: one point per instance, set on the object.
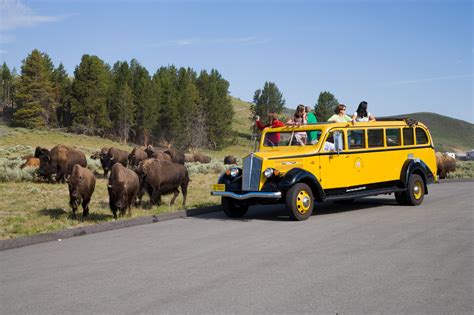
(166, 98)
(90, 90)
(124, 112)
(35, 96)
(216, 106)
(6, 86)
(142, 97)
(62, 92)
(188, 111)
(325, 106)
(270, 99)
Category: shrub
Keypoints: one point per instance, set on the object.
(10, 171)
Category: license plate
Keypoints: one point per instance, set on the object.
(218, 187)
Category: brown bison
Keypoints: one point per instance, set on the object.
(158, 177)
(59, 161)
(176, 155)
(98, 154)
(113, 156)
(188, 158)
(201, 158)
(444, 164)
(159, 154)
(123, 189)
(137, 155)
(31, 162)
(81, 187)
(230, 159)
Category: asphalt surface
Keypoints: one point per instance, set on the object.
(370, 257)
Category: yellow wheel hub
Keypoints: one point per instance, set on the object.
(303, 202)
(417, 190)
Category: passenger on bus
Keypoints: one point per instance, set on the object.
(311, 118)
(340, 114)
(272, 139)
(362, 113)
(299, 119)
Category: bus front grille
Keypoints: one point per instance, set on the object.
(252, 168)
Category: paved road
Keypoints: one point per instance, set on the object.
(370, 257)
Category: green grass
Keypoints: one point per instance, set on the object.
(464, 169)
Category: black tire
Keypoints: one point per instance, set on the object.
(344, 201)
(299, 202)
(401, 197)
(415, 193)
(416, 190)
(234, 208)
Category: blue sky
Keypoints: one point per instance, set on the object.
(399, 56)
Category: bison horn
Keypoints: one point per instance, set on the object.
(110, 186)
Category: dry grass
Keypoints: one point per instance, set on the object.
(29, 208)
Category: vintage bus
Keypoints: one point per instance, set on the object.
(298, 165)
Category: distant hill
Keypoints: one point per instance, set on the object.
(448, 134)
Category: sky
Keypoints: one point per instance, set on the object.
(399, 56)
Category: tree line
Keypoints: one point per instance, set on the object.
(176, 106)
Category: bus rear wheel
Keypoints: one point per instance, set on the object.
(234, 208)
(415, 193)
(299, 202)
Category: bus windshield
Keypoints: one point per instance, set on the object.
(291, 138)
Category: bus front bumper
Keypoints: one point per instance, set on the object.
(255, 194)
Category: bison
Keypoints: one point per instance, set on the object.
(159, 177)
(113, 156)
(98, 154)
(444, 164)
(137, 155)
(176, 155)
(188, 158)
(201, 158)
(31, 162)
(81, 187)
(123, 189)
(158, 154)
(230, 159)
(60, 161)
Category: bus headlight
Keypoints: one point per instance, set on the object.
(233, 171)
(268, 172)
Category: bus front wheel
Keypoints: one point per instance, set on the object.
(300, 202)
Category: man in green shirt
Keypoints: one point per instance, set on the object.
(311, 119)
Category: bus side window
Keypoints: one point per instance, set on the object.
(375, 138)
(334, 141)
(421, 136)
(393, 137)
(408, 136)
(356, 139)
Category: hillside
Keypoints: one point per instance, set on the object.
(449, 134)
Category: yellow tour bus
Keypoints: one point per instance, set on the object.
(298, 165)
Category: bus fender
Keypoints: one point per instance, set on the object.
(298, 175)
(231, 183)
(416, 166)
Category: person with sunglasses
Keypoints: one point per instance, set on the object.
(340, 114)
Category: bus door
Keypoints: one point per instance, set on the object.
(335, 161)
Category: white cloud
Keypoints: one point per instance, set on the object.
(15, 14)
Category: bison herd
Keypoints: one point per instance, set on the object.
(149, 170)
